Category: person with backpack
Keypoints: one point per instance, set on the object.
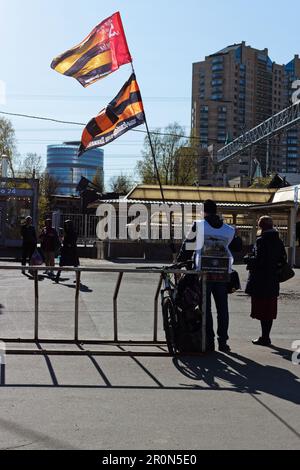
(212, 227)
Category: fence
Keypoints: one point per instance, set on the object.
(245, 232)
(79, 341)
(84, 224)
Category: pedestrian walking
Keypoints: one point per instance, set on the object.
(263, 282)
(69, 254)
(29, 241)
(49, 244)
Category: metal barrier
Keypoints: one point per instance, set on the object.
(85, 226)
(80, 342)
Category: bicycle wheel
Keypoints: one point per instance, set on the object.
(169, 322)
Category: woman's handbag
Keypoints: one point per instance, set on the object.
(250, 261)
(234, 283)
(285, 272)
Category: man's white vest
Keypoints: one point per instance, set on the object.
(208, 236)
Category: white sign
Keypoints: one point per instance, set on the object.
(296, 94)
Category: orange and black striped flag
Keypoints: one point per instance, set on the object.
(125, 112)
(101, 53)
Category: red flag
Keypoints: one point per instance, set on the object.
(101, 53)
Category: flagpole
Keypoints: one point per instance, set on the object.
(152, 152)
(172, 246)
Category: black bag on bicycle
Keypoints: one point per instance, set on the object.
(188, 304)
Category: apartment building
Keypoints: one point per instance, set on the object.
(234, 90)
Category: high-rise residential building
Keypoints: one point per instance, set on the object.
(234, 90)
(65, 166)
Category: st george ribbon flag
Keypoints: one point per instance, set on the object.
(125, 112)
(101, 53)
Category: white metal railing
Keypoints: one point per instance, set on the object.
(285, 119)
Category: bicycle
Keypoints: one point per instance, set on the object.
(169, 309)
(181, 315)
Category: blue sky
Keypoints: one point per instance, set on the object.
(165, 37)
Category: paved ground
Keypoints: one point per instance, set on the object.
(246, 400)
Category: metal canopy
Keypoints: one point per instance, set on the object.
(287, 118)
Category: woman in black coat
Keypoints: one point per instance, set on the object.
(69, 255)
(263, 282)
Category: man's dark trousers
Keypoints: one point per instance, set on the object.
(27, 251)
(220, 295)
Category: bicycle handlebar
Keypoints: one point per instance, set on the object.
(175, 266)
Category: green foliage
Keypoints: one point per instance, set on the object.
(176, 159)
(7, 141)
(121, 184)
(48, 187)
(261, 182)
(98, 180)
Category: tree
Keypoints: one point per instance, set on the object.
(98, 180)
(7, 141)
(121, 184)
(261, 182)
(30, 165)
(48, 188)
(186, 161)
(176, 159)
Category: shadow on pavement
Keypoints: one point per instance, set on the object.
(284, 353)
(243, 374)
(83, 288)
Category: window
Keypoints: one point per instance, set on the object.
(217, 90)
(218, 60)
(217, 96)
(217, 67)
(204, 109)
(292, 155)
(217, 76)
(217, 82)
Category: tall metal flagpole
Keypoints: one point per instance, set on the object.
(172, 246)
(152, 152)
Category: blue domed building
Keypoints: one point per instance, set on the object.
(64, 165)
